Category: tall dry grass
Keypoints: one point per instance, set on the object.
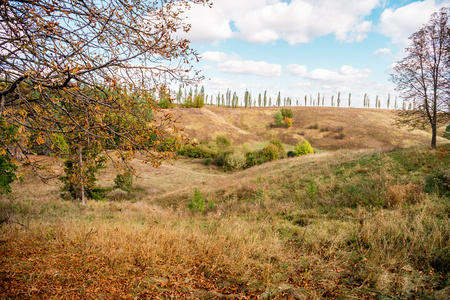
(340, 225)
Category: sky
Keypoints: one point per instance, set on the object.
(305, 47)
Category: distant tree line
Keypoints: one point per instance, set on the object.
(193, 97)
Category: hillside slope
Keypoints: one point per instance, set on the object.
(362, 128)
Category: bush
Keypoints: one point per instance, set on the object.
(438, 182)
(278, 119)
(199, 101)
(303, 148)
(315, 126)
(220, 158)
(270, 152)
(251, 159)
(290, 154)
(222, 142)
(165, 103)
(198, 151)
(235, 161)
(287, 113)
(93, 162)
(287, 122)
(447, 132)
(7, 176)
(281, 151)
(124, 181)
(197, 204)
(207, 161)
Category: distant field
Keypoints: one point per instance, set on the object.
(362, 128)
(368, 220)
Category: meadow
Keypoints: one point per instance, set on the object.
(365, 217)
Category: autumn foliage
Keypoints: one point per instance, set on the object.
(85, 72)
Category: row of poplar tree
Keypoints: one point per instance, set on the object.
(198, 98)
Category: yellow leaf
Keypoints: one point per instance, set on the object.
(40, 140)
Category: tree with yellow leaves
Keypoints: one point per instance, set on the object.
(79, 77)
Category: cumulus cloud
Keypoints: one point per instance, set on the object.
(382, 52)
(264, 21)
(234, 64)
(248, 67)
(297, 70)
(344, 74)
(214, 56)
(400, 23)
(343, 79)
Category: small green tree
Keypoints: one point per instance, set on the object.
(279, 119)
(197, 204)
(281, 150)
(286, 112)
(251, 159)
(270, 152)
(7, 175)
(303, 148)
(222, 142)
(447, 132)
(7, 168)
(234, 161)
(124, 181)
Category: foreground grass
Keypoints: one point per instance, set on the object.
(340, 225)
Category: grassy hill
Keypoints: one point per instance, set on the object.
(362, 128)
(368, 221)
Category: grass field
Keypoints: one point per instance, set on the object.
(366, 222)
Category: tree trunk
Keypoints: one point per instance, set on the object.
(433, 136)
(83, 197)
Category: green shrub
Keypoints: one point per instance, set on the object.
(207, 161)
(447, 132)
(235, 161)
(281, 151)
(287, 113)
(93, 161)
(199, 101)
(251, 159)
(165, 103)
(270, 152)
(290, 154)
(278, 119)
(303, 148)
(8, 133)
(220, 158)
(438, 182)
(222, 142)
(7, 176)
(197, 204)
(197, 151)
(124, 181)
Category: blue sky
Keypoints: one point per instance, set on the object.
(305, 47)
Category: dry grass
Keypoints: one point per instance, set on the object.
(361, 128)
(286, 228)
(345, 224)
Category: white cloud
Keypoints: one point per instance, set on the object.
(248, 67)
(382, 52)
(297, 70)
(400, 23)
(346, 73)
(214, 56)
(263, 21)
(344, 79)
